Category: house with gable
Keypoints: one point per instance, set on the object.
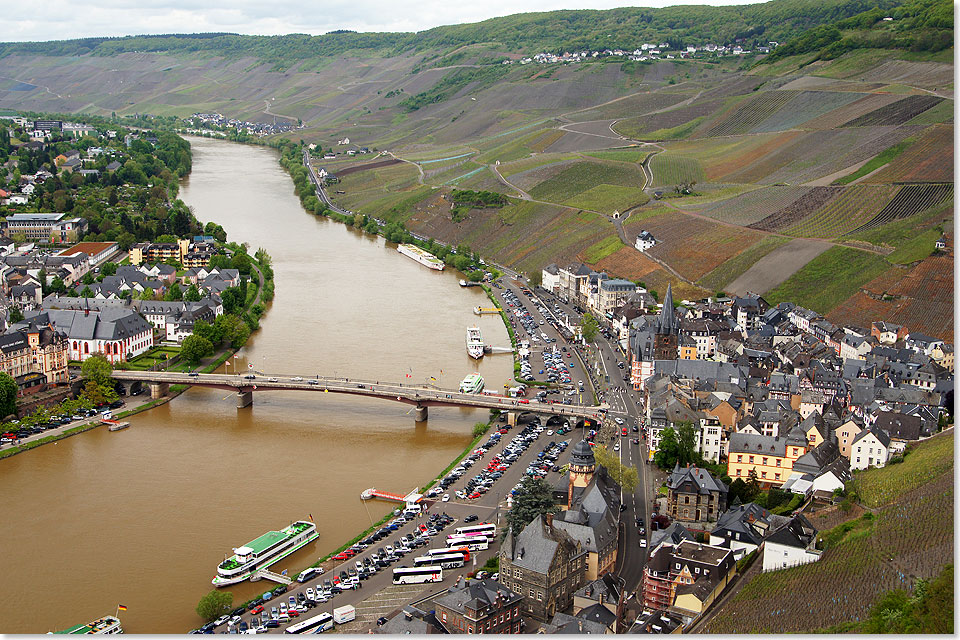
(791, 545)
(694, 495)
(870, 448)
(544, 565)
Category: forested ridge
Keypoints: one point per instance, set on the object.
(777, 20)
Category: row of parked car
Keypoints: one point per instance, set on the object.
(14, 429)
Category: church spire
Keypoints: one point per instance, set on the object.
(666, 323)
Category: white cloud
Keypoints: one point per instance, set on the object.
(62, 20)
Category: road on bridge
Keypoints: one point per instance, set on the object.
(420, 396)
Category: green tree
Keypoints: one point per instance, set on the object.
(233, 299)
(195, 348)
(87, 292)
(241, 262)
(589, 327)
(624, 475)
(212, 332)
(8, 395)
(108, 269)
(174, 293)
(479, 429)
(98, 393)
(146, 294)
(98, 369)
(677, 447)
(192, 294)
(15, 315)
(235, 330)
(214, 604)
(535, 278)
(533, 498)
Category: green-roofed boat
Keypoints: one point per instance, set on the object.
(106, 624)
(269, 548)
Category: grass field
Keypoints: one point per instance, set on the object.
(942, 112)
(925, 461)
(600, 250)
(829, 279)
(736, 266)
(671, 169)
(916, 248)
(607, 198)
(581, 176)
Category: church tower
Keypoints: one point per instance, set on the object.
(665, 341)
(582, 467)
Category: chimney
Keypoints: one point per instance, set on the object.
(549, 518)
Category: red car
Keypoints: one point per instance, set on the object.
(293, 613)
(257, 609)
(623, 431)
(341, 556)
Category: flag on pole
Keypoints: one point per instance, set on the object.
(311, 517)
(432, 378)
(284, 572)
(249, 365)
(121, 607)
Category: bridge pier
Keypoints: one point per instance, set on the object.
(512, 418)
(244, 399)
(158, 390)
(421, 414)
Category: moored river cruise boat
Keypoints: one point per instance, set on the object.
(425, 258)
(258, 554)
(106, 624)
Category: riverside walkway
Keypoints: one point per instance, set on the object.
(420, 396)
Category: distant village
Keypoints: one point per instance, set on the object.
(202, 123)
(648, 51)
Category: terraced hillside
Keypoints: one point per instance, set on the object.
(834, 161)
(907, 534)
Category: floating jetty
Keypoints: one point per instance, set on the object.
(464, 283)
(410, 498)
(113, 425)
(485, 310)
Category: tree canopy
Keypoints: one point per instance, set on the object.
(98, 369)
(626, 476)
(677, 447)
(534, 498)
(214, 604)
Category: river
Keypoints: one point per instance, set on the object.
(142, 517)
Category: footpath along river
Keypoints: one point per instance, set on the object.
(141, 517)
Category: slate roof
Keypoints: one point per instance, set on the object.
(106, 324)
(12, 342)
(817, 459)
(603, 589)
(798, 533)
(693, 478)
(599, 614)
(882, 436)
(751, 521)
(898, 425)
(536, 546)
(476, 595)
(749, 443)
(563, 623)
(592, 518)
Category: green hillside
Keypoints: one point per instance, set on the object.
(777, 20)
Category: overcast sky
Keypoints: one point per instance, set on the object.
(68, 19)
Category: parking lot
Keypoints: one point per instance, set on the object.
(524, 449)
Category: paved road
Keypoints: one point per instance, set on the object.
(623, 402)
